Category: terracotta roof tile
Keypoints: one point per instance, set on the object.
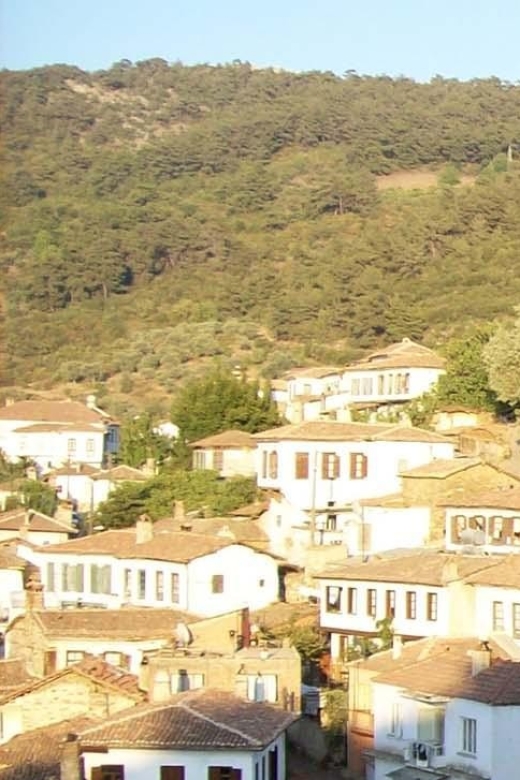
(9, 560)
(231, 439)
(92, 667)
(507, 498)
(402, 354)
(121, 473)
(13, 675)
(240, 531)
(203, 720)
(14, 520)
(75, 469)
(442, 468)
(57, 427)
(505, 574)
(177, 546)
(312, 372)
(251, 510)
(133, 624)
(35, 755)
(423, 568)
(339, 431)
(443, 667)
(51, 411)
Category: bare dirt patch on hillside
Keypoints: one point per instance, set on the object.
(419, 179)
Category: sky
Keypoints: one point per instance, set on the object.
(461, 39)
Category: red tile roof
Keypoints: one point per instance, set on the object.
(339, 431)
(121, 473)
(443, 667)
(507, 498)
(506, 574)
(129, 624)
(199, 720)
(36, 754)
(442, 468)
(176, 546)
(51, 411)
(13, 675)
(15, 519)
(232, 439)
(402, 354)
(423, 568)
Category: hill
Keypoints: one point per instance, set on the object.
(157, 217)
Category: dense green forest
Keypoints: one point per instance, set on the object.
(156, 218)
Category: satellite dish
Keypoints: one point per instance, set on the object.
(183, 635)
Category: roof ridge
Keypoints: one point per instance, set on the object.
(231, 729)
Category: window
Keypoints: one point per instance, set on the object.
(354, 386)
(91, 446)
(516, 530)
(333, 598)
(497, 530)
(469, 735)
(351, 601)
(371, 602)
(331, 522)
(174, 588)
(218, 460)
(159, 586)
(329, 465)
(127, 583)
(71, 445)
(1, 725)
(261, 583)
(273, 465)
(301, 465)
(262, 687)
(411, 605)
(358, 465)
(498, 616)
(430, 726)
(51, 577)
(100, 578)
(224, 773)
(217, 583)
(141, 584)
(406, 384)
(516, 621)
(172, 773)
(390, 604)
(431, 606)
(199, 459)
(381, 384)
(72, 577)
(184, 681)
(396, 720)
(73, 657)
(108, 772)
(264, 464)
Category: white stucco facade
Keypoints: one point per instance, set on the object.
(146, 764)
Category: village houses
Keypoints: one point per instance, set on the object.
(202, 574)
(54, 433)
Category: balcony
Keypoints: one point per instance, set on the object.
(427, 755)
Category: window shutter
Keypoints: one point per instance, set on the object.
(236, 774)
(302, 465)
(96, 773)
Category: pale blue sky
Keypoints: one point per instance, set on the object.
(418, 38)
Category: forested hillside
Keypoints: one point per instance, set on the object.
(155, 216)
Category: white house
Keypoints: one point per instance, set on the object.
(308, 393)
(231, 453)
(452, 713)
(497, 599)
(200, 574)
(423, 594)
(320, 469)
(34, 527)
(489, 521)
(200, 735)
(12, 571)
(53, 433)
(392, 375)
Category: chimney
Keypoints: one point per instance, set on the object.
(34, 593)
(397, 646)
(480, 659)
(159, 688)
(245, 627)
(70, 762)
(91, 402)
(450, 571)
(149, 468)
(25, 526)
(144, 674)
(178, 511)
(143, 530)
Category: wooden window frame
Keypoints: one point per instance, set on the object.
(301, 465)
(411, 605)
(358, 465)
(330, 465)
